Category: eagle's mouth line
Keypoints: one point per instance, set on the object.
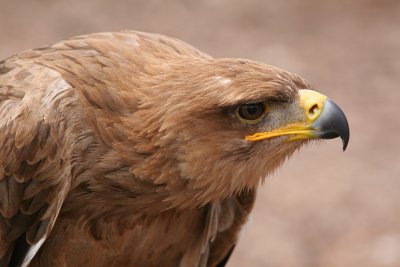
(299, 132)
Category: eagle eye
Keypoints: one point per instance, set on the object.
(251, 113)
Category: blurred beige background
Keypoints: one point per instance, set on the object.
(324, 207)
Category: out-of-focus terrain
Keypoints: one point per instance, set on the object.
(324, 207)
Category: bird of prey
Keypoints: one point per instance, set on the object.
(136, 149)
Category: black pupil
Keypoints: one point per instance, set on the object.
(251, 111)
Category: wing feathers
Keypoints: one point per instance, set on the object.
(33, 180)
(33, 188)
(31, 206)
(11, 194)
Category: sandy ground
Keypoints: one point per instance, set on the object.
(324, 207)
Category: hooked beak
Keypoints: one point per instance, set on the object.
(324, 120)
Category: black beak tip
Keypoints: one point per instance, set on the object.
(342, 126)
(345, 141)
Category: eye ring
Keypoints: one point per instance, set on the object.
(251, 113)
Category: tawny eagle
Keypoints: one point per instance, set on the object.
(136, 149)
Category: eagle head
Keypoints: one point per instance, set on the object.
(211, 128)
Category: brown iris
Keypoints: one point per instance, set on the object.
(251, 113)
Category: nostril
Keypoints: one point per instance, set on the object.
(314, 109)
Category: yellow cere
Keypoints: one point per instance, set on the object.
(312, 102)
